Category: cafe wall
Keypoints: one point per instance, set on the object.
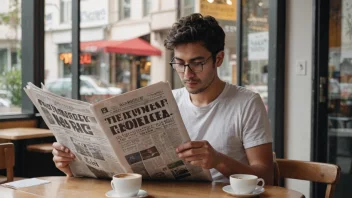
(299, 27)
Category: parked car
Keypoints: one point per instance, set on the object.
(91, 89)
(5, 98)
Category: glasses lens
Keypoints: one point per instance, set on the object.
(178, 67)
(196, 67)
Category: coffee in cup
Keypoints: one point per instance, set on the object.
(245, 184)
(126, 184)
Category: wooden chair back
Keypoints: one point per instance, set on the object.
(7, 159)
(276, 171)
(310, 171)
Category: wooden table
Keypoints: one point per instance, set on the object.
(24, 133)
(21, 137)
(84, 187)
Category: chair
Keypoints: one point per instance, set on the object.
(310, 171)
(40, 148)
(276, 171)
(7, 160)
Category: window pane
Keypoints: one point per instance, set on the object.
(58, 47)
(103, 74)
(339, 145)
(255, 45)
(187, 7)
(10, 57)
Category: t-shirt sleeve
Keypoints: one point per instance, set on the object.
(255, 123)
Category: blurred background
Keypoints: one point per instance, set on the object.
(122, 45)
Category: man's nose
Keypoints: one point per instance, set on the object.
(188, 72)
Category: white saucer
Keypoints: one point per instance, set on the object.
(141, 194)
(229, 190)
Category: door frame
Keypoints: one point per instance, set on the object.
(320, 58)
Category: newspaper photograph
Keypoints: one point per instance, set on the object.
(138, 131)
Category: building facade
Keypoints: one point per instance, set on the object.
(10, 35)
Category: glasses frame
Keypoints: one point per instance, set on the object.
(187, 65)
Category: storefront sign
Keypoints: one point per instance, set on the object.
(93, 16)
(84, 58)
(220, 9)
(258, 45)
(93, 11)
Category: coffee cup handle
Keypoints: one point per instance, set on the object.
(112, 185)
(260, 187)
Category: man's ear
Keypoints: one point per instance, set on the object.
(219, 58)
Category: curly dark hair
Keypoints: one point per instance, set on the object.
(196, 28)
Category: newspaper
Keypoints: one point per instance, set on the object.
(133, 132)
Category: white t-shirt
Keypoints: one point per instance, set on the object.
(234, 121)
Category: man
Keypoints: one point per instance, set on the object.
(228, 125)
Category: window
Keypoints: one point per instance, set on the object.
(187, 7)
(10, 60)
(3, 60)
(14, 59)
(146, 7)
(125, 9)
(65, 11)
(255, 46)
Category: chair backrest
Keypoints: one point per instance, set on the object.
(311, 171)
(276, 171)
(7, 159)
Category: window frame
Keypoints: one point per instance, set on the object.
(276, 68)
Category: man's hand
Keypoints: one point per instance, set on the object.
(62, 158)
(199, 153)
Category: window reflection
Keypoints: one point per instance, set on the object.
(255, 46)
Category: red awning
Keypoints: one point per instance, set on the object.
(134, 46)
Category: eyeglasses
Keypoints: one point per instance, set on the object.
(195, 67)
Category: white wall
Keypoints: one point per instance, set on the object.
(160, 70)
(168, 5)
(51, 59)
(299, 27)
(4, 8)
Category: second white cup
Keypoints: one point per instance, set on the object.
(245, 184)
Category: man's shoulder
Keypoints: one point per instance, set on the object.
(239, 93)
(178, 93)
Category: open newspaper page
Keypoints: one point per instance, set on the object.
(147, 125)
(74, 126)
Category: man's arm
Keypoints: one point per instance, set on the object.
(260, 160)
(201, 153)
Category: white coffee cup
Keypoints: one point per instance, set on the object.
(245, 184)
(126, 184)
